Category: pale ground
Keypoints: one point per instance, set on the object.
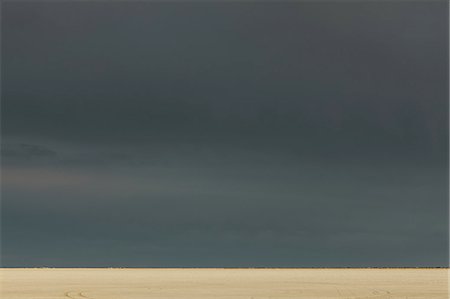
(223, 283)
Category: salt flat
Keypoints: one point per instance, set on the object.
(223, 283)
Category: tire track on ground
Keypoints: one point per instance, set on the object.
(374, 293)
(76, 295)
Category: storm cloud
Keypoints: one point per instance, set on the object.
(225, 134)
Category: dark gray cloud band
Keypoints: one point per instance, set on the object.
(225, 134)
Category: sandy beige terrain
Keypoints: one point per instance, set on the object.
(223, 283)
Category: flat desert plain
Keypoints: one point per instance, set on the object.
(223, 283)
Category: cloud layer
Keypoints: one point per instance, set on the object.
(225, 134)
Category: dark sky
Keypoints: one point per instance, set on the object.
(224, 134)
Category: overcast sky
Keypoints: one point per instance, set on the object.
(150, 134)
